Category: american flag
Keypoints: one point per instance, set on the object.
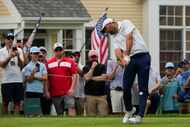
(99, 41)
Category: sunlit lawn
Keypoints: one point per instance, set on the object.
(181, 121)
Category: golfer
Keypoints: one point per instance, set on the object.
(137, 60)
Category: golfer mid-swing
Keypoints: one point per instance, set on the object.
(137, 60)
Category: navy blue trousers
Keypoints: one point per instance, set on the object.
(138, 65)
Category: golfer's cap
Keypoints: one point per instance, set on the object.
(34, 49)
(56, 45)
(169, 65)
(106, 21)
(92, 53)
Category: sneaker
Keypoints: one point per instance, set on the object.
(135, 120)
(128, 115)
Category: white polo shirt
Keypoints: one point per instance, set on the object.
(119, 39)
(12, 72)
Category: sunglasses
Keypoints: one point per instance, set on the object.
(43, 51)
(10, 38)
(35, 53)
(58, 49)
(170, 68)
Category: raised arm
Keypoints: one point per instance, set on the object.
(3, 63)
(89, 74)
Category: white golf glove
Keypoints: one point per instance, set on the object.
(127, 59)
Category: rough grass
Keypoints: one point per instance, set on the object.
(181, 121)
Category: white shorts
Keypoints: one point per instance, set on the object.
(117, 101)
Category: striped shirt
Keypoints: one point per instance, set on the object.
(118, 77)
(60, 72)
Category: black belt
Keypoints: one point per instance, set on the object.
(118, 89)
(140, 54)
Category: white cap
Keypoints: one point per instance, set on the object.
(169, 64)
(92, 53)
(106, 21)
(34, 49)
(57, 45)
(43, 49)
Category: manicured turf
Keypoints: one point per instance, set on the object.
(91, 122)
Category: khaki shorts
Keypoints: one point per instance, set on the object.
(96, 105)
(117, 101)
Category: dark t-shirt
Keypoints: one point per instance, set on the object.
(96, 88)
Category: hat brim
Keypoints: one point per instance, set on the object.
(58, 47)
(35, 52)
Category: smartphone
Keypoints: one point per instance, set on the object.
(38, 67)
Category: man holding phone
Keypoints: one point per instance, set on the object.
(35, 74)
(11, 60)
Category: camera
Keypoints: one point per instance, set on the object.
(12, 63)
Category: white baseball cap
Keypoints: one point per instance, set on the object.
(34, 49)
(106, 21)
(169, 64)
(56, 45)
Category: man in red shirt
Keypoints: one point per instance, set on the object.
(62, 77)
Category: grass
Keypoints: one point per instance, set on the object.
(181, 121)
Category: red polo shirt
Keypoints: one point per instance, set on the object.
(59, 74)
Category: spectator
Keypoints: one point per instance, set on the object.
(116, 86)
(184, 79)
(185, 92)
(46, 100)
(170, 88)
(153, 89)
(185, 64)
(79, 90)
(62, 80)
(182, 72)
(179, 71)
(35, 75)
(95, 89)
(11, 60)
